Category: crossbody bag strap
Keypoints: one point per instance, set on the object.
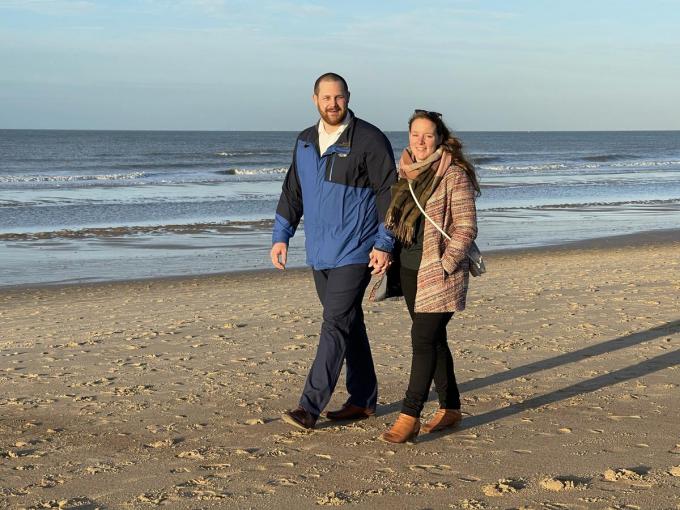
(441, 231)
(477, 266)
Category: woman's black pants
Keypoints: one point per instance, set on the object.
(432, 358)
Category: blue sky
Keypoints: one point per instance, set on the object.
(219, 64)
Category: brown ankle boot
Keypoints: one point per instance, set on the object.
(442, 419)
(403, 430)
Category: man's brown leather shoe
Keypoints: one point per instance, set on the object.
(350, 412)
(299, 418)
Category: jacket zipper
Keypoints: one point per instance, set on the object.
(330, 174)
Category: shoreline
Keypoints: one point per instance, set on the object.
(644, 238)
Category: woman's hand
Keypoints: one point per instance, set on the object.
(380, 261)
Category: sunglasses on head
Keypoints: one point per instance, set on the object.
(428, 113)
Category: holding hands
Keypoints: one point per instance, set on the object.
(380, 261)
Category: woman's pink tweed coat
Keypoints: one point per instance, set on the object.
(444, 269)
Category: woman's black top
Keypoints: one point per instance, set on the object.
(410, 256)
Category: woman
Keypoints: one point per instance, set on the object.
(434, 271)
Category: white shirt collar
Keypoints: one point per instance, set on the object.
(326, 139)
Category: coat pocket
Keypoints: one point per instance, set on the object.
(346, 169)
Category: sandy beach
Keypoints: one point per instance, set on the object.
(169, 392)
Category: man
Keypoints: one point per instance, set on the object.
(340, 177)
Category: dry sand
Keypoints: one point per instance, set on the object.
(169, 392)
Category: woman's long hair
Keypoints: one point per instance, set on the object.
(450, 143)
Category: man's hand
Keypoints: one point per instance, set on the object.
(279, 255)
(379, 261)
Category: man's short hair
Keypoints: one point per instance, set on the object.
(329, 77)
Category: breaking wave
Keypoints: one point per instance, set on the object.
(71, 178)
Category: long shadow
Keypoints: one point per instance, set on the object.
(624, 374)
(563, 359)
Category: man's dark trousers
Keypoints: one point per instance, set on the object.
(343, 336)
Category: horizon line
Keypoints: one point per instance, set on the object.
(383, 130)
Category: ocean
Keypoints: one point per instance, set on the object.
(80, 206)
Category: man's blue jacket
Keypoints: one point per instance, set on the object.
(343, 193)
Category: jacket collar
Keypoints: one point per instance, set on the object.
(344, 143)
(345, 139)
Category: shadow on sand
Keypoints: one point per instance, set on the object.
(643, 368)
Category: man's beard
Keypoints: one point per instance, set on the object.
(330, 122)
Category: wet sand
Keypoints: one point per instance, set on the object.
(116, 232)
(168, 392)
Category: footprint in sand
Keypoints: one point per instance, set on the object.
(472, 504)
(505, 486)
(14, 492)
(50, 481)
(153, 498)
(202, 489)
(435, 469)
(215, 467)
(26, 467)
(247, 452)
(106, 467)
(67, 504)
(633, 476)
(384, 470)
(191, 454)
(562, 483)
(255, 421)
(284, 371)
(333, 499)
(164, 443)
(281, 481)
(295, 347)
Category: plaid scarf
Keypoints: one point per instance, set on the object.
(424, 176)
